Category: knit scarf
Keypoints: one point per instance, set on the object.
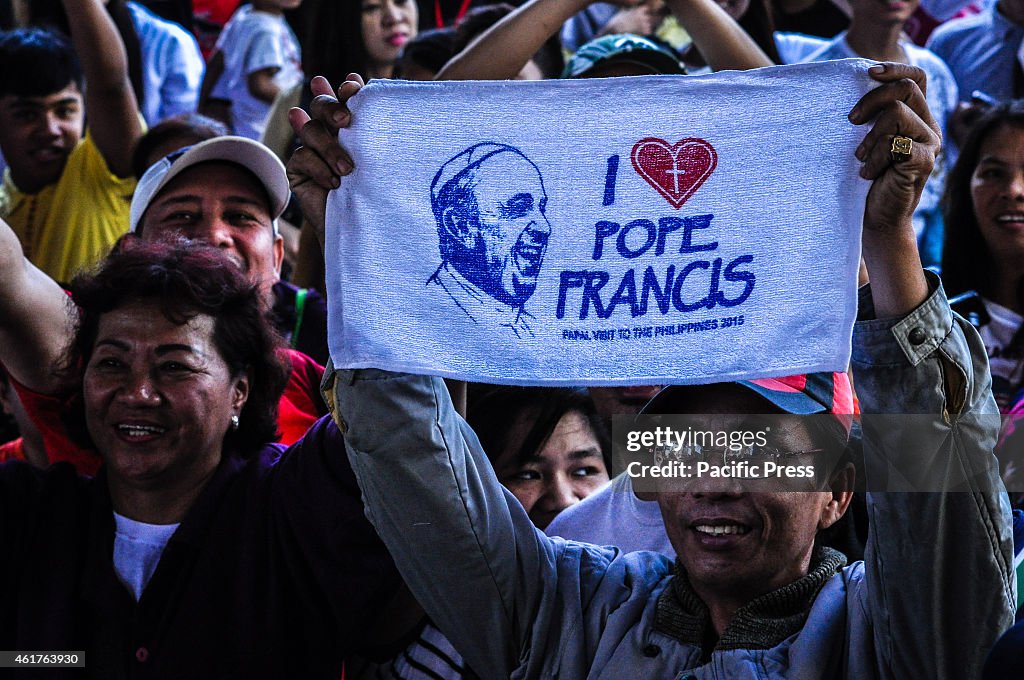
(760, 624)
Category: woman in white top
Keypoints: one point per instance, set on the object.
(984, 251)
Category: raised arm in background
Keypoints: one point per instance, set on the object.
(502, 51)
(113, 112)
(36, 318)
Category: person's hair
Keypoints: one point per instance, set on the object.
(185, 129)
(334, 45)
(757, 21)
(966, 260)
(477, 20)
(185, 279)
(37, 62)
(429, 50)
(51, 13)
(459, 194)
(492, 415)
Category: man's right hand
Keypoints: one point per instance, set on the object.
(317, 166)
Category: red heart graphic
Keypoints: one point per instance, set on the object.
(676, 171)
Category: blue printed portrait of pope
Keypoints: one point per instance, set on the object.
(492, 231)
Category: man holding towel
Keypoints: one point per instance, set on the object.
(750, 595)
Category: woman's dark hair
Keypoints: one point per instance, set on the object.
(51, 13)
(758, 23)
(494, 413)
(185, 129)
(186, 279)
(966, 261)
(37, 62)
(333, 46)
(429, 50)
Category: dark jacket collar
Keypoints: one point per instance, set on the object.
(760, 624)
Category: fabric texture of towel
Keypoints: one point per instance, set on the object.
(657, 229)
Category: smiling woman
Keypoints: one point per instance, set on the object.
(170, 348)
(159, 400)
(983, 259)
(170, 342)
(242, 552)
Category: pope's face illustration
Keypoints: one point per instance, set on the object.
(512, 229)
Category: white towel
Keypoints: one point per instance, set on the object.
(658, 229)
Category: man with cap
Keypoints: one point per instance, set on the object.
(226, 191)
(752, 594)
(631, 520)
(489, 203)
(229, 192)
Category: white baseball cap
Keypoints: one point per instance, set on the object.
(251, 155)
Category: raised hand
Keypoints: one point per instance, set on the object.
(899, 112)
(317, 166)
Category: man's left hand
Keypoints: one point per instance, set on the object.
(898, 108)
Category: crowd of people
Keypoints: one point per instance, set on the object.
(190, 488)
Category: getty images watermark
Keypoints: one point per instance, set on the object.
(714, 454)
(769, 453)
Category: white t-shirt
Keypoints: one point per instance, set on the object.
(1006, 364)
(137, 550)
(172, 66)
(252, 41)
(614, 516)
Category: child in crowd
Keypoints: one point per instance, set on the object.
(257, 57)
(65, 193)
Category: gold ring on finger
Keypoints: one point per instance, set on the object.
(902, 148)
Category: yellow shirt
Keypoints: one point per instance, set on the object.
(71, 224)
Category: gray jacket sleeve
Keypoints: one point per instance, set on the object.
(467, 549)
(939, 585)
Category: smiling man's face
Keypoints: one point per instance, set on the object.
(739, 545)
(513, 229)
(37, 134)
(224, 205)
(743, 544)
